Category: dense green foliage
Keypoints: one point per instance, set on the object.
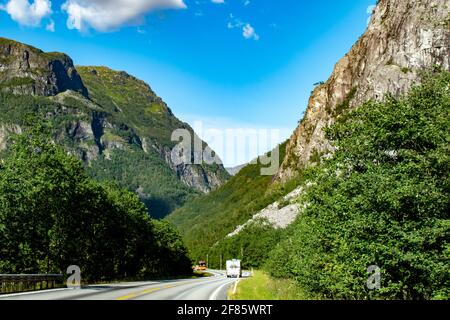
(250, 246)
(52, 216)
(384, 200)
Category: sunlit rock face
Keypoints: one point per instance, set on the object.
(403, 38)
(27, 70)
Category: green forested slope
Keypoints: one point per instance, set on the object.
(132, 102)
(206, 220)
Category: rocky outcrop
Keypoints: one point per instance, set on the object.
(403, 38)
(108, 119)
(151, 123)
(192, 175)
(30, 71)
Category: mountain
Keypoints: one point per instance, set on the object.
(235, 170)
(112, 121)
(403, 40)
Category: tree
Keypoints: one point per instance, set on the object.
(53, 215)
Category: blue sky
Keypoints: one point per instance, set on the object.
(229, 64)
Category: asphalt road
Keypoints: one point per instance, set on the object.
(210, 288)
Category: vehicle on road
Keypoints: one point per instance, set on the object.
(234, 268)
(202, 266)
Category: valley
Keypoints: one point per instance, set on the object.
(358, 208)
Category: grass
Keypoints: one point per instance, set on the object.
(16, 82)
(263, 287)
(155, 108)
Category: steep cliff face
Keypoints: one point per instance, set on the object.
(403, 38)
(133, 105)
(200, 177)
(27, 70)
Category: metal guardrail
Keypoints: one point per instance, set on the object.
(12, 283)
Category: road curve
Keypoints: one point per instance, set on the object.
(210, 288)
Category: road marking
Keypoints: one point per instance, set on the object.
(191, 289)
(217, 291)
(140, 293)
(127, 297)
(147, 291)
(11, 295)
(144, 292)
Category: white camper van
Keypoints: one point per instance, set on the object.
(234, 268)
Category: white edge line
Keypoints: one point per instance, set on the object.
(216, 292)
(2, 296)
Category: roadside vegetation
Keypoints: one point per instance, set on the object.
(382, 200)
(52, 215)
(263, 287)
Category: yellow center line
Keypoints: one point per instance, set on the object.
(147, 291)
(127, 297)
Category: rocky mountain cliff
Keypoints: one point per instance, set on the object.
(403, 38)
(28, 70)
(112, 121)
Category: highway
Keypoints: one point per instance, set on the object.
(208, 288)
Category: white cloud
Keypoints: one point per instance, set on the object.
(26, 13)
(106, 15)
(218, 1)
(249, 32)
(50, 26)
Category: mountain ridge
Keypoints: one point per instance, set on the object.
(25, 69)
(107, 118)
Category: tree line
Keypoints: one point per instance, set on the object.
(53, 215)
